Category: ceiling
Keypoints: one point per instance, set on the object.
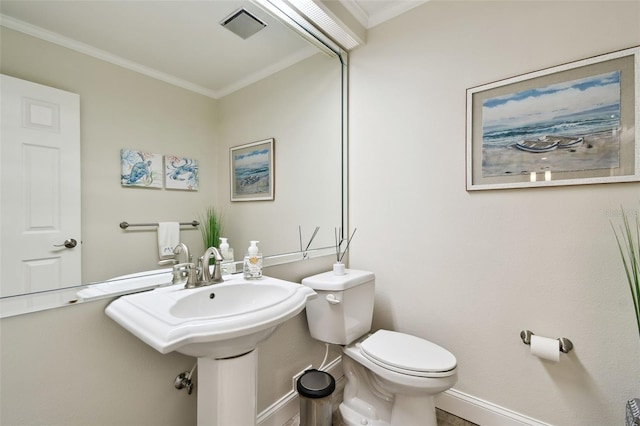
(370, 13)
(180, 42)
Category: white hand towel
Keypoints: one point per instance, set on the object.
(168, 238)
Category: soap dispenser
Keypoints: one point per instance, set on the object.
(227, 266)
(253, 262)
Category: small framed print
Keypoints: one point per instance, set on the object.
(252, 171)
(181, 173)
(139, 168)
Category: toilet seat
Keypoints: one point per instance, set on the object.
(407, 354)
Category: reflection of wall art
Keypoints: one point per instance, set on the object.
(252, 171)
(572, 124)
(141, 168)
(181, 173)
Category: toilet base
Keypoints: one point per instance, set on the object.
(414, 410)
(350, 417)
(367, 400)
(406, 411)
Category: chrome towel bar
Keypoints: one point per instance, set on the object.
(125, 225)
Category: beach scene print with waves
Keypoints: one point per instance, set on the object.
(251, 172)
(569, 126)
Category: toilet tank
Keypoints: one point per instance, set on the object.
(343, 309)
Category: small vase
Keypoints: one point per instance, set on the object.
(339, 269)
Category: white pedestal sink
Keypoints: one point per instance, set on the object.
(221, 325)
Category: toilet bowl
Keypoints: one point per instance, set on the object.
(391, 377)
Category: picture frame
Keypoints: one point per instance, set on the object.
(181, 173)
(252, 170)
(572, 124)
(140, 169)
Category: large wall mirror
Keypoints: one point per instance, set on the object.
(166, 78)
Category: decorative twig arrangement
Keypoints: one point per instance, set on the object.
(339, 241)
(306, 249)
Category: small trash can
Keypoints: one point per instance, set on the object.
(315, 389)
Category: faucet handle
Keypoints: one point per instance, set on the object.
(184, 273)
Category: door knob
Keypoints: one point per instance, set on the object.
(69, 243)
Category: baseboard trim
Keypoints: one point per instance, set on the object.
(281, 411)
(482, 412)
(458, 403)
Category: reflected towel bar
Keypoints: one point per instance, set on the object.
(125, 225)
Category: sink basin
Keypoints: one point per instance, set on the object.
(218, 321)
(225, 301)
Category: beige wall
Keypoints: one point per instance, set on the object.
(75, 366)
(300, 107)
(471, 270)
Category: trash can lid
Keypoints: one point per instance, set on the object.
(316, 384)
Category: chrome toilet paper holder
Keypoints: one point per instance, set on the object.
(565, 344)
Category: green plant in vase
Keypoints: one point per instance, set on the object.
(628, 238)
(211, 228)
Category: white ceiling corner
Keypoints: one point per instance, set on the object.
(370, 13)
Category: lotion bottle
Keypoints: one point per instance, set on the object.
(253, 262)
(226, 266)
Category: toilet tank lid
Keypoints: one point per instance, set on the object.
(331, 282)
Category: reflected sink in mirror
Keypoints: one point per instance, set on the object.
(126, 284)
(218, 321)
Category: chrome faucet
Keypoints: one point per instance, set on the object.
(193, 276)
(205, 274)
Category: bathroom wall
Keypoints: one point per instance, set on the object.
(470, 270)
(302, 112)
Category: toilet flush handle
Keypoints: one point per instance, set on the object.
(333, 300)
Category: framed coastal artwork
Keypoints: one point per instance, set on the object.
(181, 173)
(140, 168)
(572, 124)
(252, 171)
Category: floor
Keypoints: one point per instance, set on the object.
(448, 419)
(444, 419)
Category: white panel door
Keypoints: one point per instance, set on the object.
(40, 183)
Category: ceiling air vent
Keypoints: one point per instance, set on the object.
(242, 23)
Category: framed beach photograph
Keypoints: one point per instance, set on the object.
(572, 124)
(252, 171)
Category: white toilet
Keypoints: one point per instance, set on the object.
(391, 377)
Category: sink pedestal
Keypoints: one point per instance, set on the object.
(227, 390)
